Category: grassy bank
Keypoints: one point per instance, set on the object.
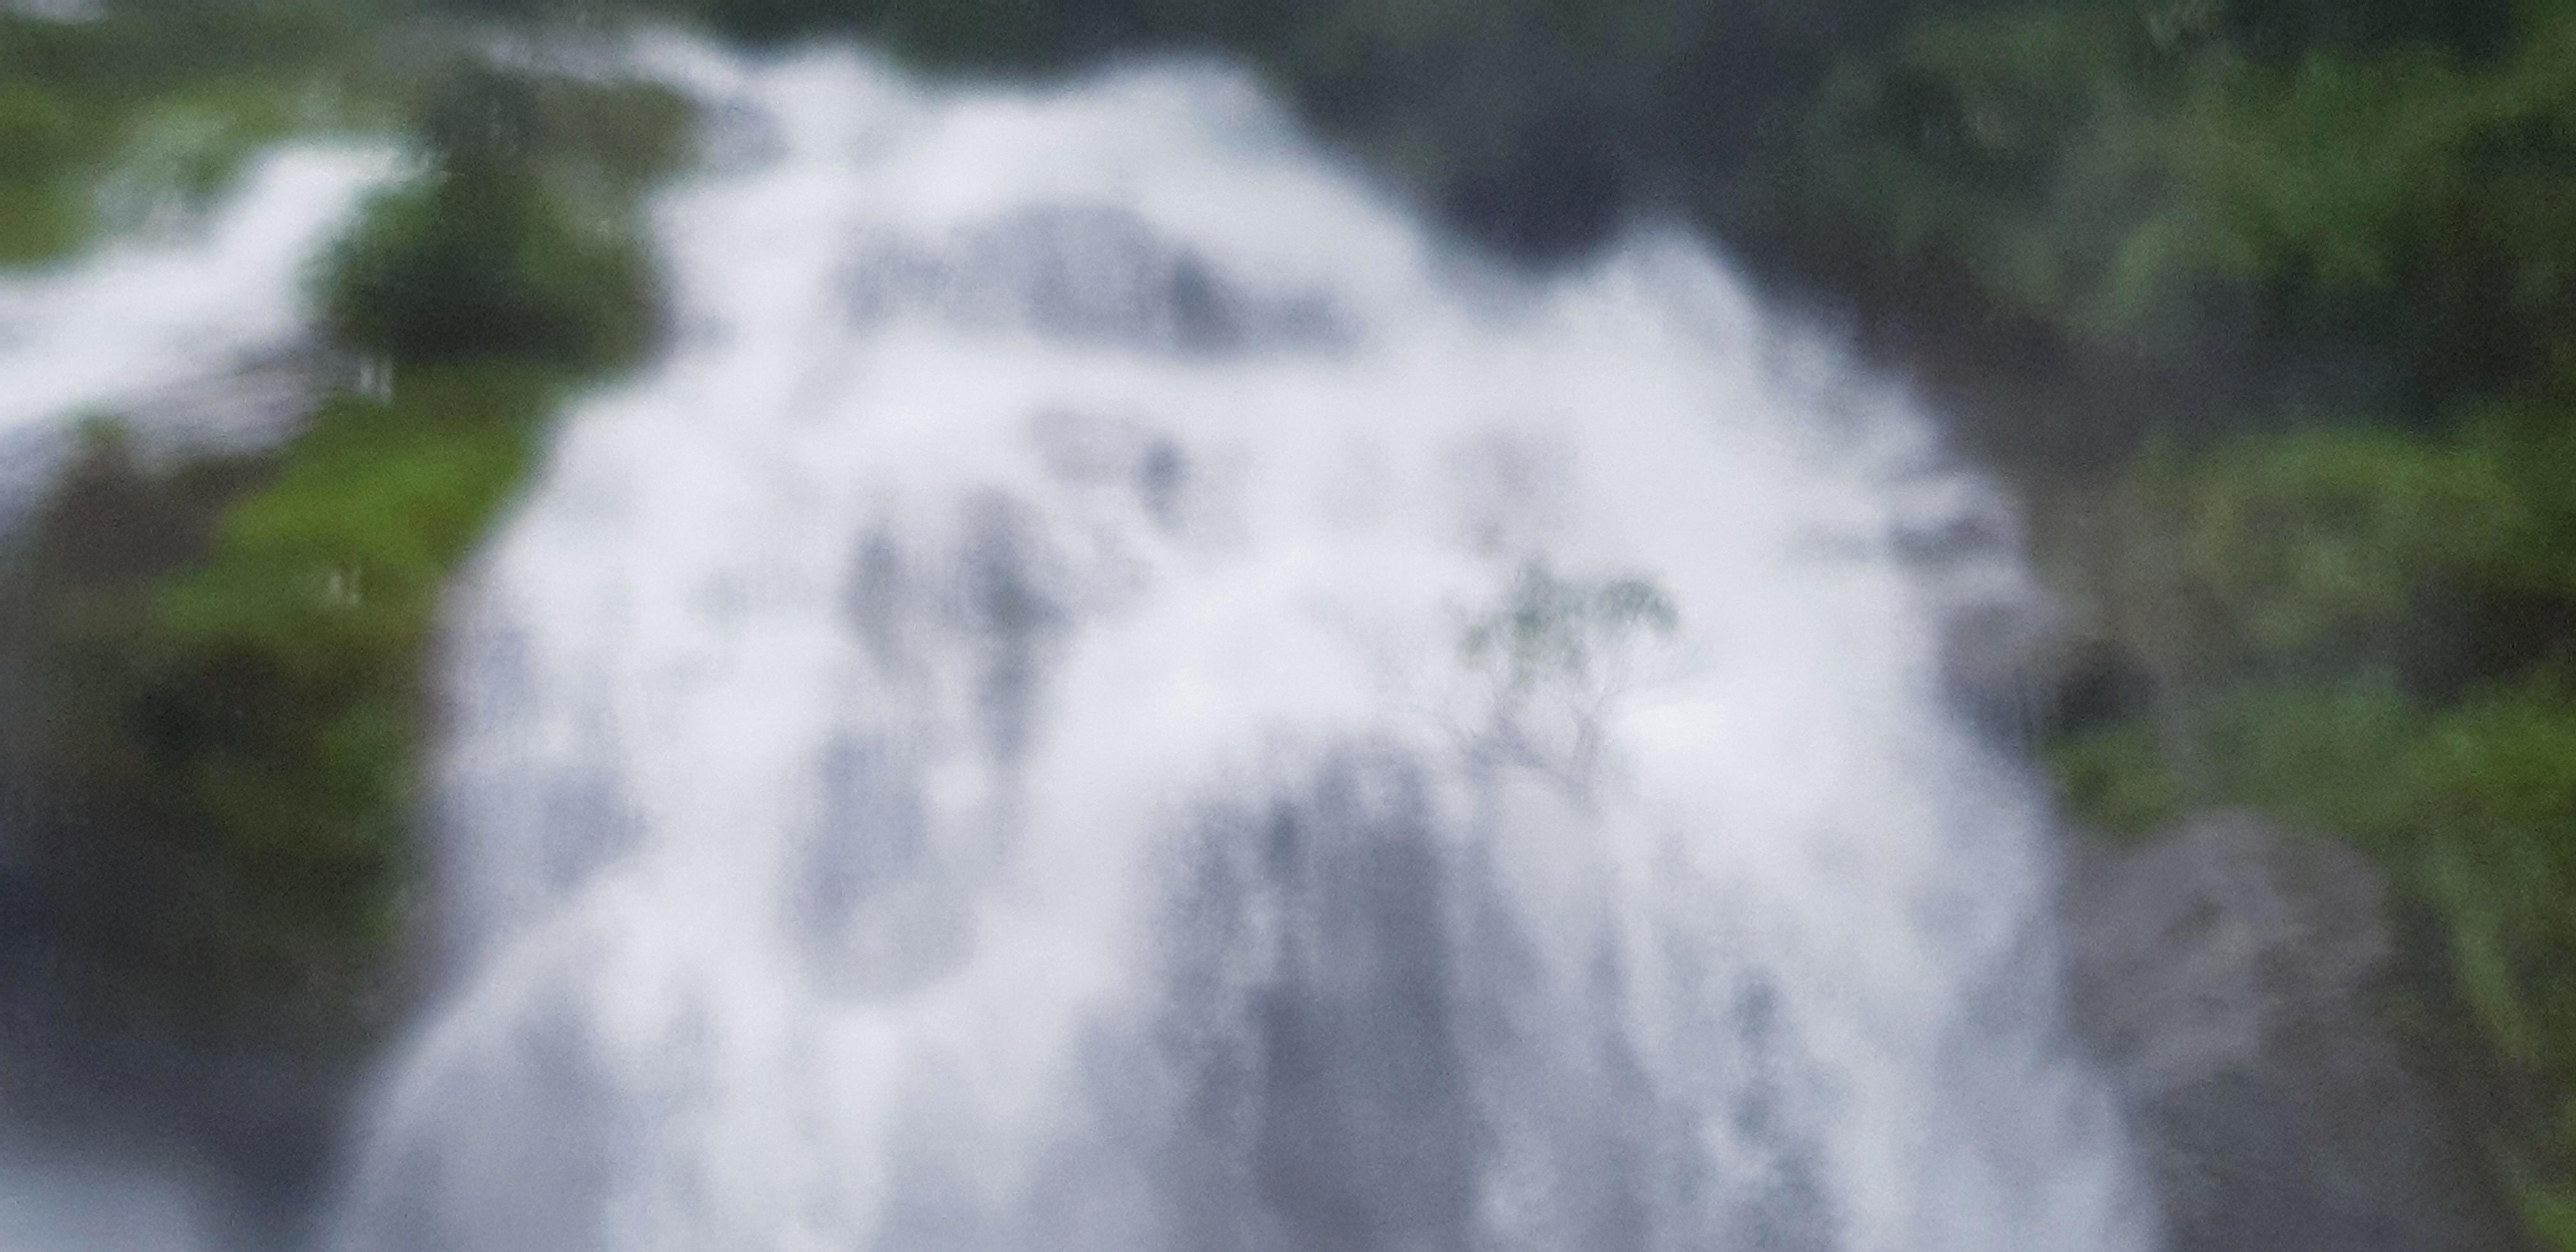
(217, 694)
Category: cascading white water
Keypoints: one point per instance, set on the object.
(1110, 694)
(117, 332)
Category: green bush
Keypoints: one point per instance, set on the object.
(521, 240)
(2497, 802)
(43, 209)
(2325, 544)
(2117, 780)
(488, 263)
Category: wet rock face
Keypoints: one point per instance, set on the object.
(2236, 981)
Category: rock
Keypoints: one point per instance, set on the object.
(2235, 980)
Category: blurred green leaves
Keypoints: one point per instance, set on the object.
(2322, 542)
(481, 262)
(520, 239)
(284, 665)
(2139, 179)
(2359, 619)
(108, 123)
(2366, 630)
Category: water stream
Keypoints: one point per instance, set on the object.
(1113, 693)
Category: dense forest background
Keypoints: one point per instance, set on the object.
(2268, 308)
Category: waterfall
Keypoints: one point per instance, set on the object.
(1111, 692)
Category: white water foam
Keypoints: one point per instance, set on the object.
(1110, 693)
(129, 329)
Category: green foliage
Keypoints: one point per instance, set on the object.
(478, 263)
(2013, 147)
(519, 241)
(2186, 184)
(2498, 802)
(220, 672)
(2550, 1213)
(2324, 542)
(2323, 556)
(1549, 625)
(44, 148)
(2324, 758)
(2118, 781)
(2321, 608)
(284, 665)
(107, 123)
(2533, 449)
